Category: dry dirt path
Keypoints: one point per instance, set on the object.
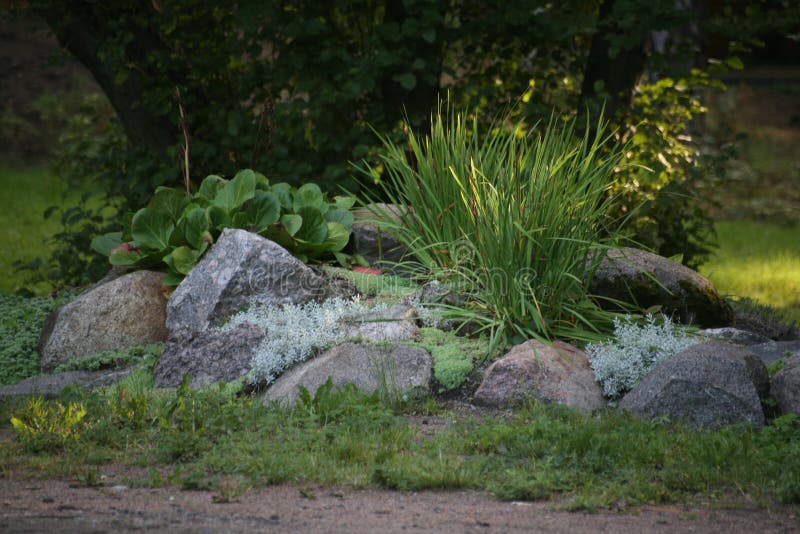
(33, 505)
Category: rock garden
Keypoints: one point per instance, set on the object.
(488, 296)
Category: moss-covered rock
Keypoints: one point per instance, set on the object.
(645, 280)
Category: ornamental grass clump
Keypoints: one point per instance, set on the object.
(297, 332)
(620, 363)
(509, 216)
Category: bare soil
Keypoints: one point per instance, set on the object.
(32, 505)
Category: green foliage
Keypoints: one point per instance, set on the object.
(21, 321)
(111, 359)
(175, 229)
(509, 218)
(454, 357)
(43, 426)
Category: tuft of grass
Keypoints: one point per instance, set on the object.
(760, 261)
(508, 216)
(112, 359)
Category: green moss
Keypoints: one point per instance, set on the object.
(454, 357)
(113, 358)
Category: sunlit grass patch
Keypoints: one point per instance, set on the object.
(760, 261)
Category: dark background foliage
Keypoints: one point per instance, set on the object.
(295, 89)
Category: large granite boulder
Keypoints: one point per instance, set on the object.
(396, 323)
(558, 373)
(129, 310)
(241, 269)
(772, 351)
(786, 386)
(707, 386)
(208, 356)
(647, 280)
(53, 385)
(369, 367)
(370, 240)
(734, 336)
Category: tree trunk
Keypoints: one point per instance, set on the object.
(611, 72)
(82, 28)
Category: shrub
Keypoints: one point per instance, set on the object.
(619, 364)
(295, 333)
(175, 229)
(509, 216)
(46, 426)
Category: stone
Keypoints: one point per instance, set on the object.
(208, 356)
(369, 367)
(375, 244)
(772, 351)
(240, 270)
(630, 275)
(786, 386)
(733, 336)
(764, 321)
(128, 310)
(532, 370)
(708, 386)
(396, 323)
(52, 385)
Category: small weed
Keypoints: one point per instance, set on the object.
(43, 426)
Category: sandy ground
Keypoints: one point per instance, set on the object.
(48, 505)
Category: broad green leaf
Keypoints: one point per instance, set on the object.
(341, 216)
(218, 217)
(314, 229)
(197, 226)
(337, 238)
(237, 191)
(210, 185)
(284, 194)
(292, 223)
(262, 183)
(104, 244)
(344, 202)
(169, 201)
(262, 210)
(183, 259)
(309, 195)
(279, 234)
(172, 279)
(125, 254)
(151, 229)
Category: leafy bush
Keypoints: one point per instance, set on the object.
(47, 426)
(295, 333)
(508, 217)
(112, 358)
(619, 364)
(176, 229)
(21, 321)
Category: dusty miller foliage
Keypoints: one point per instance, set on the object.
(297, 332)
(621, 362)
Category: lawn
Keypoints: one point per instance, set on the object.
(24, 233)
(758, 260)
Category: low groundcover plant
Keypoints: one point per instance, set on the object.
(620, 363)
(296, 332)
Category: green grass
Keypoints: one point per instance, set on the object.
(760, 261)
(207, 436)
(24, 233)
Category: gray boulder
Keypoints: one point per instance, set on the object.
(241, 269)
(208, 356)
(397, 323)
(734, 336)
(786, 386)
(532, 370)
(369, 367)
(52, 385)
(630, 275)
(126, 311)
(708, 386)
(772, 351)
(371, 240)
